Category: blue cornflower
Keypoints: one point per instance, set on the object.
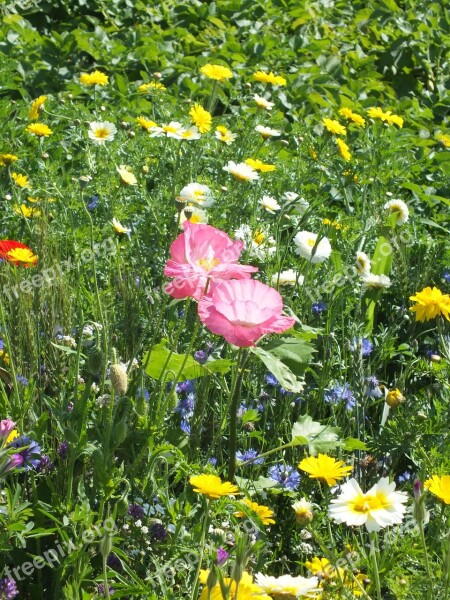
(8, 588)
(185, 427)
(136, 511)
(446, 276)
(31, 454)
(185, 387)
(143, 393)
(373, 389)
(249, 455)
(284, 392)
(241, 410)
(186, 406)
(340, 393)
(212, 461)
(201, 356)
(406, 476)
(317, 308)
(92, 202)
(271, 379)
(286, 476)
(22, 380)
(2, 345)
(364, 345)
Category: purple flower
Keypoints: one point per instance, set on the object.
(22, 380)
(212, 461)
(364, 345)
(2, 345)
(271, 380)
(242, 408)
(373, 389)
(186, 406)
(101, 590)
(92, 203)
(143, 393)
(158, 532)
(185, 427)
(406, 476)
(201, 356)
(63, 449)
(31, 453)
(6, 426)
(45, 464)
(136, 511)
(221, 556)
(317, 308)
(8, 589)
(14, 461)
(70, 407)
(114, 562)
(185, 387)
(446, 276)
(286, 476)
(249, 455)
(340, 393)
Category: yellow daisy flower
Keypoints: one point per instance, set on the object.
(39, 129)
(334, 126)
(153, 85)
(375, 112)
(95, 78)
(20, 180)
(7, 159)
(325, 468)
(201, 118)
(343, 149)
(258, 165)
(353, 117)
(263, 512)
(26, 211)
(216, 72)
(212, 486)
(440, 487)
(126, 175)
(431, 303)
(146, 123)
(264, 77)
(36, 108)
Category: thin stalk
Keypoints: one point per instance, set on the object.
(201, 552)
(376, 574)
(447, 569)
(425, 558)
(241, 361)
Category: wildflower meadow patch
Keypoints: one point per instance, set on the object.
(224, 300)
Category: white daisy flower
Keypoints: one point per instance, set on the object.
(289, 277)
(172, 130)
(241, 171)
(270, 204)
(372, 281)
(119, 228)
(224, 135)
(191, 134)
(287, 586)
(400, 208)
(267, 132)
(363, 264)
(126, 175)
(298, 203)
(196, 193)
(257, 243)
(308, 246)
(101, 132)
(193, 214)
(380, 507)
(263, 103)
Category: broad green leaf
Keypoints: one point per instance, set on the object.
(282, 372)
(319, 438)
(350, 444)
(294, 353)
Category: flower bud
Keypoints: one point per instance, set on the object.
(394, 398)
(303, 512)
(119, 379)
(6, 427)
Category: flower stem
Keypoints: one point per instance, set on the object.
(235, 395)
(425, 558)
(376, 574)
(447, 568)
(201, 552)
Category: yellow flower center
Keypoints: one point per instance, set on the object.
(208, 263)
(364, 504)
(22, 254)
(169, 129)
(259, 237)
(101, 133)
(311, 242)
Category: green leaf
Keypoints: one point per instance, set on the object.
(160, 355)
(351, 444)
(319, 438)
(282, 372)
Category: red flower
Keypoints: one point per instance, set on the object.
(18, 254)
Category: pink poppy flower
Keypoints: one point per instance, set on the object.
(200, 253)
(243, 311)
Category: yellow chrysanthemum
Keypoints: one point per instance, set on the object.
(26, 211)
(394, 398)
(36, 108)
(146, 123)
(153, 85)
(264, 77)
(39, 129)
(7, 159)
(212, 486)
(353, 117)
(258, 165)
(334, 126)
(343, 149)
(126, 176)
(440, 487)
(4, 356)
(263, 512)
(322, 567)
(216, 72)
(325, 468)
(201, 118)
(20, 180)
(95, 78)
(375, 112)
(390, 119)
(431, 303)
